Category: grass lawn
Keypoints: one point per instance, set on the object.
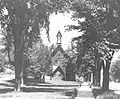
(33, 95)
(100, 94)
(34, 90)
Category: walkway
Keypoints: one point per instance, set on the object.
(85, 92)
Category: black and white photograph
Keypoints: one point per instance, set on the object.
(59, 49)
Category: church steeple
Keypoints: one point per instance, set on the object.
(59, 36)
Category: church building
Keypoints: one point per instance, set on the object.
(59, 59)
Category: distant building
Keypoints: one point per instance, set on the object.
(59, 59)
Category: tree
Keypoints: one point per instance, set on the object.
(22, 20)
(99, 25)
(39, 56)
(3, 61)
(115, 70)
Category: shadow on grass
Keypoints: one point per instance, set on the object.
(49, 85)
(97, 92)
(7, 85)
(6, 90)
(39, 89)
(66, 92)
(100, 91)
(11, 81)
(33, 89)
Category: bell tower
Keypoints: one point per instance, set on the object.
(59, 36)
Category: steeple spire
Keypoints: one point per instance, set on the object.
(59, 36)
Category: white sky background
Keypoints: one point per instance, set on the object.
(57, 22)
(116, 56)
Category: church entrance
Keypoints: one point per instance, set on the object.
(58, 74)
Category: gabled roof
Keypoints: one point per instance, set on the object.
(58, 69)
(59, 48)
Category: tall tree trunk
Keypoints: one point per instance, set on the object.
(43, 78)
(105, 85)
(25, 66)
(18, 61)
(25, 76)
(18, 56)
(98, 71)
(18, 43)
(18, 52)
(99, 78)
(89, 77)
(93, 78)
(96, 80)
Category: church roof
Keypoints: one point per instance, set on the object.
(59, 48)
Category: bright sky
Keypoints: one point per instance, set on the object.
(116, 56)
(57, 22)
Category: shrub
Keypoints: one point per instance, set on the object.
(115, 71)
